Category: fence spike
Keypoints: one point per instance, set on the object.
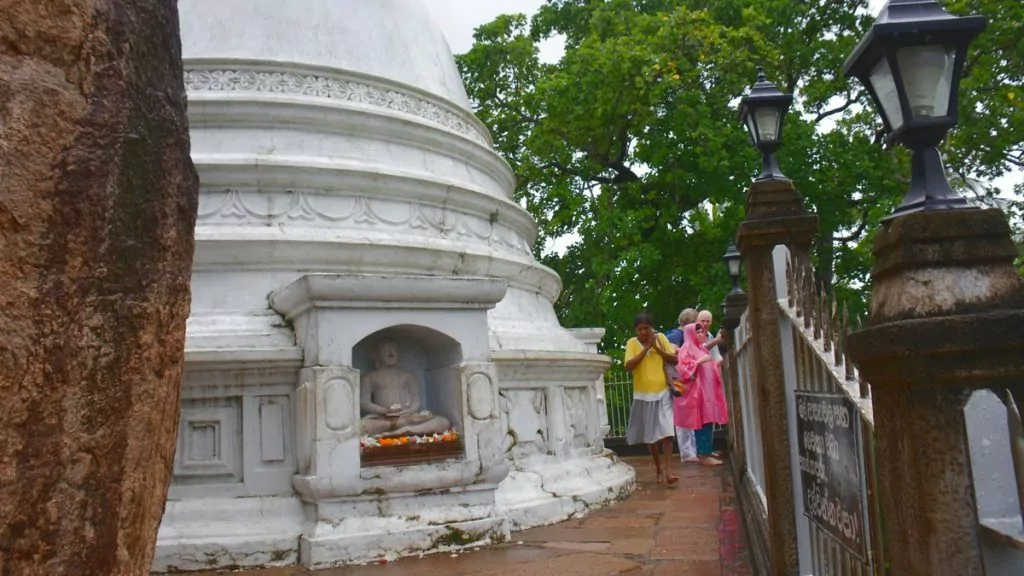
(807, 287)
(865, 387)
(837, 333)
(790, 292)
(798, 290)
(818, 312)
(850, 376)
(826, 320)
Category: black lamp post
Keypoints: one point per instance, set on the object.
(911, 62)
(762, 111)
(736, 301)
(733, 260)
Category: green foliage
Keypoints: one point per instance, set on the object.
(630, 144)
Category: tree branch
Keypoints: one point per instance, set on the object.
(857, 233)
(572, 172)
(518, 111)
(850, 101)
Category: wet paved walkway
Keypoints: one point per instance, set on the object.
(694, 529)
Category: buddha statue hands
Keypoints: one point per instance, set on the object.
(390, 399)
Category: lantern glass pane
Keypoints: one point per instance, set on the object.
(885, 89)
(748, 118)
(927, 77)
(734, 266)
(767, 122)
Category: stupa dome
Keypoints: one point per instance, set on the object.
(392, 39)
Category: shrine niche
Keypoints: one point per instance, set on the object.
(409, 396)
(397, 398)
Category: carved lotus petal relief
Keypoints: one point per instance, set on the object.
(304, 207)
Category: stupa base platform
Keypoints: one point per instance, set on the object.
(550, 493)
(219, 533)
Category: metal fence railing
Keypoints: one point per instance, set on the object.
(618, 398)
(825, 377)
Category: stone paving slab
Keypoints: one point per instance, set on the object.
(692, 529)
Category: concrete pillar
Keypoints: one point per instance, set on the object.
(946, 313)
(775, 215)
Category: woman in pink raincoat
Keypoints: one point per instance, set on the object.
(702, 405)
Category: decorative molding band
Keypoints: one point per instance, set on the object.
(360, 212)
(333, 89)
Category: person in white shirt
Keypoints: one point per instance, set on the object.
(705, 318)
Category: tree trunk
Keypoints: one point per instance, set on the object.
(97, 209)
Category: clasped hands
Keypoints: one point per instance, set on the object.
(397, 411)
(656, 344)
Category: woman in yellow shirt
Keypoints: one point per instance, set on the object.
(650, 419)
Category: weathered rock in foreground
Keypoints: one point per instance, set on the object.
(97, 209)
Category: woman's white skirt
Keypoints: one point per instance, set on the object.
(650, 420)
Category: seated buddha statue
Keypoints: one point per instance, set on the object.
(390, 399)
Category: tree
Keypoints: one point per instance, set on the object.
(630, 144)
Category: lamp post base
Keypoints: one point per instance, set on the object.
(929, 188)
(770, 167)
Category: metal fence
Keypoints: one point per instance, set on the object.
(813, 332)
(817, 331)
(618, 398)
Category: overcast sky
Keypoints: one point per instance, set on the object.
(458, 19)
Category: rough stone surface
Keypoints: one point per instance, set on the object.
(946, 311)
(690, 530)
(774, 424)
(775, 215)
(921, 441)
(946, 305)
(953, 262)
(97, 208)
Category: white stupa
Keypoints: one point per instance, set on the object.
(349, 195)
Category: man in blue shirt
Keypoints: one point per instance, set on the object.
(675, 335)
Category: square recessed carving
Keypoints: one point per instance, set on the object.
(209, 440)
(204, 442)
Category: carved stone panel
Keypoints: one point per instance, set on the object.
(274, 420)
(480, 392)
(338, 397)
(209, 443)
(577, 417)
(336, 88)
(527, 420)
(330, 208)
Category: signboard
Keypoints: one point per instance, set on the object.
(829, 446)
